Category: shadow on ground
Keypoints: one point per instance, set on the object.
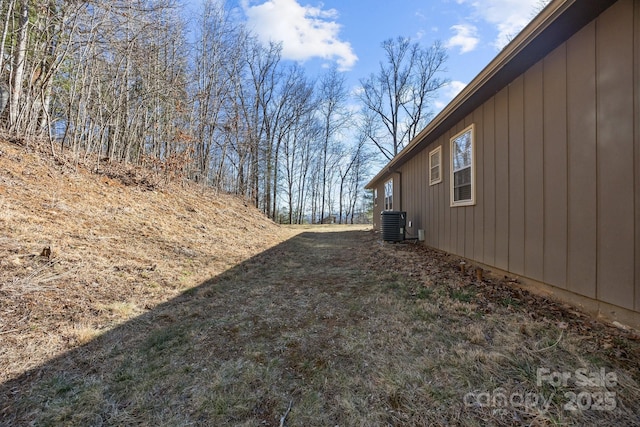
(235, 350)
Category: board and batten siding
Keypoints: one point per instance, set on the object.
(557, 156)
(636, 80)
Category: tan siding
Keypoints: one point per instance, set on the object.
(443, 201)
(453, 213)
(434, 208)
(402, 181)
(468, 213)
(434, 212)
(614, 55)
(424, 206)
(555, 167)
(398, 198)
(489, 171)
(421, 205)
(408, 194)
(406, 188)
(533, 173)
(446, 211)
(420, 196)
(378, 206)
(478, 210)
(502, 179)
(459, 214)
(636, 85)
(416, 197)
(581, 129)
(457, 230)
(459, 222)
(433, 238)
(429, 227)
(516, 176)
(446, 200)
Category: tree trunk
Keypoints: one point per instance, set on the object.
(19, 64)
(5, 30)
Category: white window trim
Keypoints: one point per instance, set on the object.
(388, 206)
(439, 165)
(375, 197)
(471, 201)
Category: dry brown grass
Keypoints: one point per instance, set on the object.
(187, 327)
(117, 250)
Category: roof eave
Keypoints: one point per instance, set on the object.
(529, 42)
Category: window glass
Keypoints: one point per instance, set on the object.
(462, 172)
(435, 166)
(388, 195)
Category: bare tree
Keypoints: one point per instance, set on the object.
(344, 170)
(262, 62)
(116, 81)
(332, 109)
(19, 65)
(7, 17)
(357, 179)
(217, 51)
(538, 7)
(535, 10)
(293, 105)
(298, 152)
(398, 95)
(122, 93)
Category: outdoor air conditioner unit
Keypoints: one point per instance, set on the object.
(393, 225)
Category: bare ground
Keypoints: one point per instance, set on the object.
(143, 317)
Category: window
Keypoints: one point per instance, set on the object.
(462, 168)
(388, 195)
(435, 166)
(375, 197)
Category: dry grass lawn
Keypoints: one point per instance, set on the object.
(164, 305)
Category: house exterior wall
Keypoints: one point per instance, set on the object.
(379, 202)
(557, 155)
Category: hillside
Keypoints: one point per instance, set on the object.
(81, 252)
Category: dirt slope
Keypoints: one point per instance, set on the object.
(121, 241)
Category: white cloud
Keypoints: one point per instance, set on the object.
(449, 92)
(454, 88)
(508, 16)
(305, 32)
(466, 38)
(439, 104)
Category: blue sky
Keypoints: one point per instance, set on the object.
(348, 33)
